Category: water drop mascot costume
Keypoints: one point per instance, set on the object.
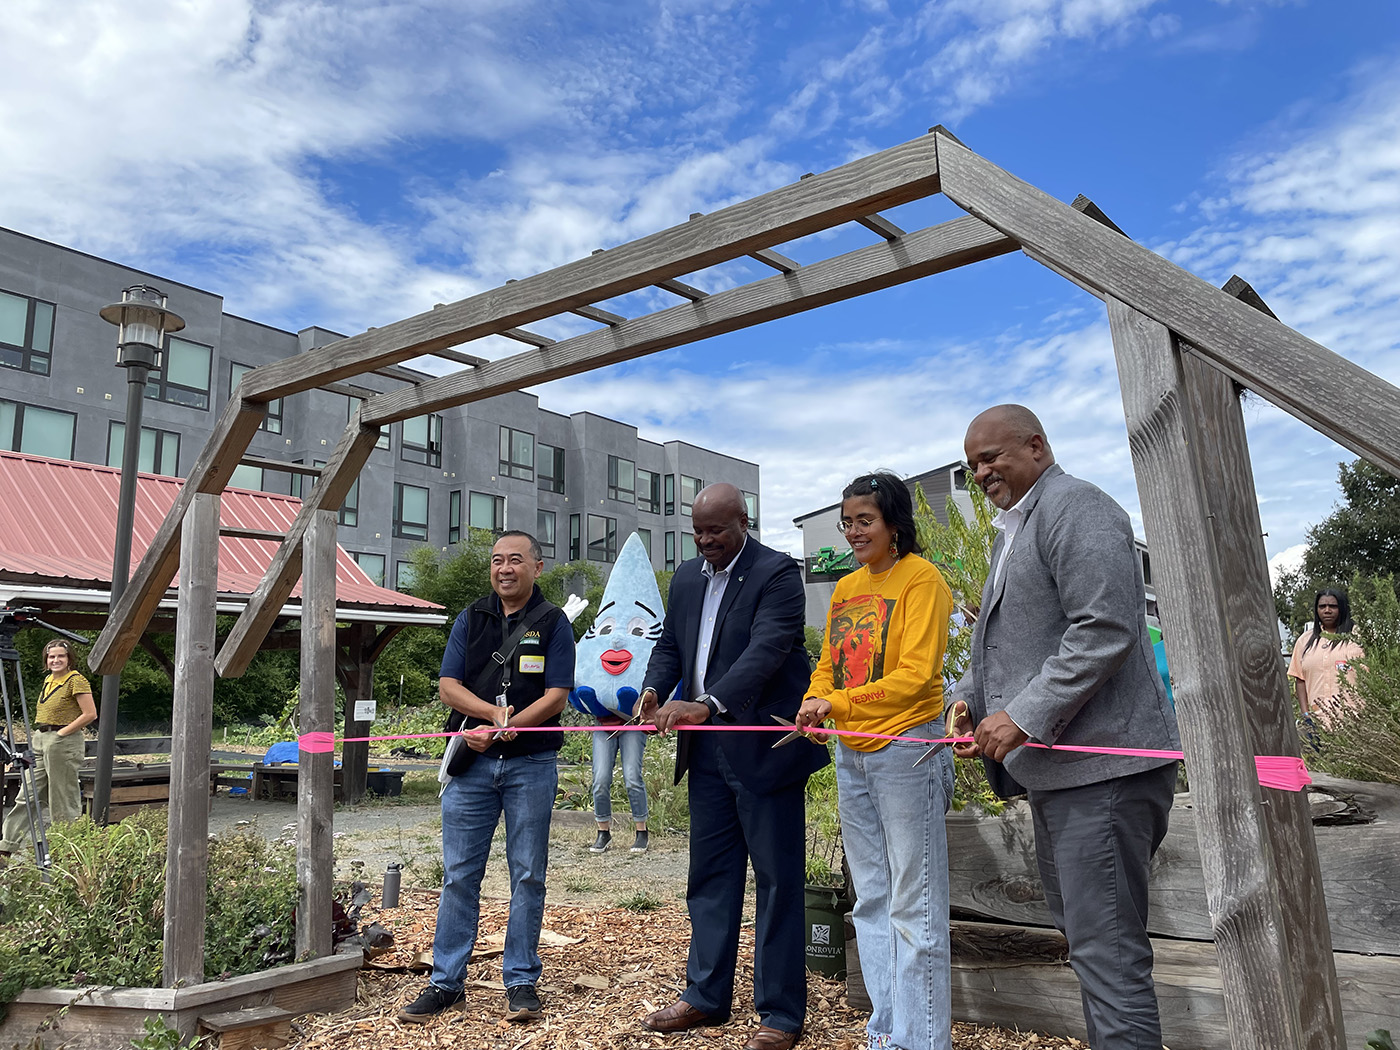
(612, 658)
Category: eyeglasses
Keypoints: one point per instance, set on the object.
(863, 524)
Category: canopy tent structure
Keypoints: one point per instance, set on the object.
(57, 529)
(1185, 350)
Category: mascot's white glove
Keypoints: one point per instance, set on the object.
(574, 606)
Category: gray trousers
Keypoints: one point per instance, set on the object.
(1094, 846)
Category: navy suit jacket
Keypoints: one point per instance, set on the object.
(757, 668)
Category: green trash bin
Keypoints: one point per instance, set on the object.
(826, 930)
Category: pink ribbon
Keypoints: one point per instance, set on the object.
(1275, 771)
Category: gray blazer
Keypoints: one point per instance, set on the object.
(1061, 644)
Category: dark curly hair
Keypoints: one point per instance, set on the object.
(891, 495)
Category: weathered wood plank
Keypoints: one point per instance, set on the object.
(265, 604)
(1323, 389)
(187, 844)
(315, 802)
(1227, 476)
(932, 250)
(992, 870)
(357, 681)
(212, 469)
(894, 176)
(1031, 993)
(1241, 886)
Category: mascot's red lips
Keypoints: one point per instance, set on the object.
(616, 661)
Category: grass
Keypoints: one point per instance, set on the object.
(640, 901)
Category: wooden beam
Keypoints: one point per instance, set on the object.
(459, 358)
(522, 336)
(265, 605)
(155, 652)
(895, 176)
(1323, 389)
(382, 639)
(281, 464)
(354, 758)
(187, 844)
(777, 260)
(315, 789)
(685, 291)
(938, 248)
(348, 390)
(595, 314)
(881, 225)
(1213, 401)
(251, 534)
(1236, 855)
(215, 464)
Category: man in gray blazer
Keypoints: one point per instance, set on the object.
(1061, 655)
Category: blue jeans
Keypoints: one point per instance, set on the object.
(523, 788)
(605, 750)
(896, 844)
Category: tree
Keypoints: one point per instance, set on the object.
(962, 550)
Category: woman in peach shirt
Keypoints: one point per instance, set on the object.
(1322, 656)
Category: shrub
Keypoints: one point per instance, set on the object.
(99, 916)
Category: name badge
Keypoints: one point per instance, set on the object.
(532, 665)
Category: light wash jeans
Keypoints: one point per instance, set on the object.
(897, 847)
(523, 788)
(631, 744)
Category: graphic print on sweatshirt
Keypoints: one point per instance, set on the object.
(860, 626)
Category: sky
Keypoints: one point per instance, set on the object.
(347, 164)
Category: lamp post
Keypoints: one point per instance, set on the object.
(142, 322)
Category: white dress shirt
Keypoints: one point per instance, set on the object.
(1009, 522)
(716, 580)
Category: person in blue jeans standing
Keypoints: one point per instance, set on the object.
(509, 663)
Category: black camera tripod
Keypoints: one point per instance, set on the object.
(12, 621)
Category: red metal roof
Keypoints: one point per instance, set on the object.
(58, 520)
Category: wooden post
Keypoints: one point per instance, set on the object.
(358, 681)
(187, 842)
(1228, 481)
(1236, 856)
(315, 786)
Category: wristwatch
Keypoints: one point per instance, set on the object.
(710, 702)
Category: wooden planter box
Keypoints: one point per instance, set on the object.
(109, 1018)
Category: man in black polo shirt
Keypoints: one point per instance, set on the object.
(500, 772)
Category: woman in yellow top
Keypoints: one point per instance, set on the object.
(65, 707)
(881, 671)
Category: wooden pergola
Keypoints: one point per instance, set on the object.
(1184, 349)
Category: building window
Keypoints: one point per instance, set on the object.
(551, 469)
(751, 506)
(690, 488)
(272, 422)
(37, 431)
(688, 550)
(26, 333)
(454, 516)
(246, 477)
(184, 375)
(575, 538)
(350, 509)
(670, 552)
(649, 491)
(1146, 568)
(159, 454)
(352, 403)
(410, 512)
(421, 441)
(670, 494)
(302, 484)
(518, 455)
(372, 564)
(404, 576)
(544, 529)
(602, 538)
(645, 536)
(486, 512)
(622, 480)
(960, 479)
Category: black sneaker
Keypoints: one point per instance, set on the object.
(640, 846)
(602, 842)
(522, 1004)
(431, 1002)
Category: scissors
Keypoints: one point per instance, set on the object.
(930, 752)
(796, 734)
(635, 720)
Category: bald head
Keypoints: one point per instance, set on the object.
(719, 518)
(1007, 450)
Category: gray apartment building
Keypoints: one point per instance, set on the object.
(581, 482)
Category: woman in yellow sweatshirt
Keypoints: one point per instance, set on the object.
(881, 671)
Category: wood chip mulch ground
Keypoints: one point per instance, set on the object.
(604, 968)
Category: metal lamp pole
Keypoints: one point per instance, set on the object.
(142, 323)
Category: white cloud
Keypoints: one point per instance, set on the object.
(1286, 561)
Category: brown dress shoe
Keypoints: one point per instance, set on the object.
(772, 1039)
(680, 1016)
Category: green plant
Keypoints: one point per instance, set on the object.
(580, 882)
(824, 852)
(668, 804)
(160, 1036)
(641, 900)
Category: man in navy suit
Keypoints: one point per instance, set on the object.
(732, 652)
